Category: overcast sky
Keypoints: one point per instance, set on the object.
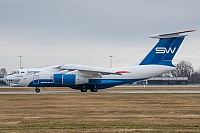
(51, 32)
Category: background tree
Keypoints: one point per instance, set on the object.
(2, 72)
(183, 69)
(195, 78)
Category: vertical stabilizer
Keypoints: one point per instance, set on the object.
(164, 51)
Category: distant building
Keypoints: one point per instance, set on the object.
(165, 81)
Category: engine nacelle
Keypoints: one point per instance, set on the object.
(69, 79)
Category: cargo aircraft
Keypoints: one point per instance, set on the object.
(157, 62)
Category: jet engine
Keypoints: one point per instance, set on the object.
(69, 79)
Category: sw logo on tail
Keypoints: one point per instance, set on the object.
(157, 62)
(163, 50)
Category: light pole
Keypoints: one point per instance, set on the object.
(20, 61)
(110, 61)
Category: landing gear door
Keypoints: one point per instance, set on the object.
(35, 79)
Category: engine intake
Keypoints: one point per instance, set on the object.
(69, 79)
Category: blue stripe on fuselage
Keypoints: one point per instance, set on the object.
(99, 83)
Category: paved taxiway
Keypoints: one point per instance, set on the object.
(107, 91)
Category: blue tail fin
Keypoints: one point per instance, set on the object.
(165, 49)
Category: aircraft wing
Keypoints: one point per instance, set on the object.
(87, 70)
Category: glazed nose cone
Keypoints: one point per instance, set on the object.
(5, 79)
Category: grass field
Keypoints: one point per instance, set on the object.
(95, 112)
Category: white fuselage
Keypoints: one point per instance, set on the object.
(23, 77)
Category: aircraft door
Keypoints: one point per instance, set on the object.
(35, 79)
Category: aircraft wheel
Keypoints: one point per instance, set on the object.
(37, 90)
(93, 90)
(84, 90)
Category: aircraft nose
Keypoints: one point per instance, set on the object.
(5, 79)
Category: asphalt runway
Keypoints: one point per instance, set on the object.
(107, 91)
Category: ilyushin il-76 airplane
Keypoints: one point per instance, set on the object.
(157, 62)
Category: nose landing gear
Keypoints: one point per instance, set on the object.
(37, 90)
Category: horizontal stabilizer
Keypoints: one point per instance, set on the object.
(170, 35)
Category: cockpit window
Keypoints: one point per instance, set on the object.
(14, 72)
(22, 72)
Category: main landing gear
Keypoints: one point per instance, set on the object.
(37, 90)
(84, 89)
(93, 90)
